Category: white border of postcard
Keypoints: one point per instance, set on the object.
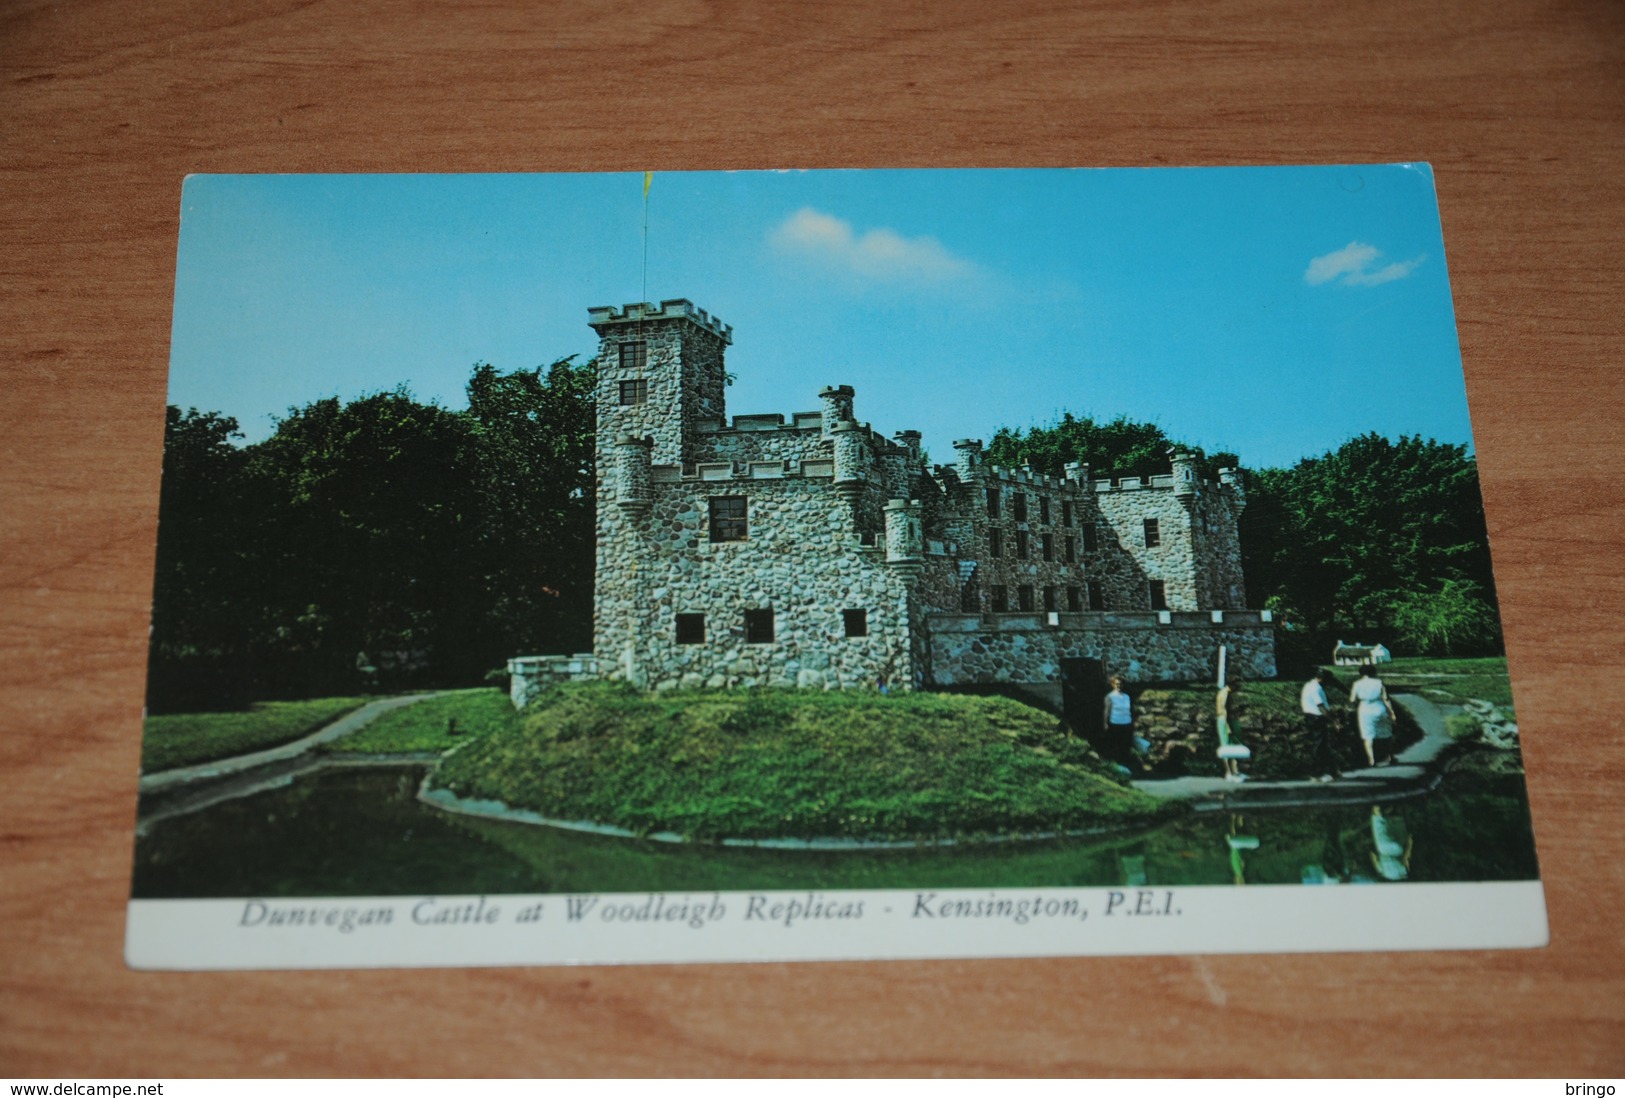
(648, 928)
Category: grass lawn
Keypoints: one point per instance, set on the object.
(1445, 680)
(425, 726)
(795, 764)
(181, 739)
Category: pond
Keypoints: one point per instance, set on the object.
(362, 832)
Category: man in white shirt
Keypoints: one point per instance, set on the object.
(1317, 720)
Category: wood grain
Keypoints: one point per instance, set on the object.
(1520, 107)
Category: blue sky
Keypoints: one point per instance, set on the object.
(1275, 312)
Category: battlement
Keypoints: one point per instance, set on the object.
(762, 421)
(605, 316)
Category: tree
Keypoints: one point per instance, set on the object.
(1121, 447)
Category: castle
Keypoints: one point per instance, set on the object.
(811, 551)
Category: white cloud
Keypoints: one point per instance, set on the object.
(880, 254)
(1356, 265)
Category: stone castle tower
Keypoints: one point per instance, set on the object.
(809, 550)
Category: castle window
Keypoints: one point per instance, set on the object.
(1018, 506)
(970, 599)
(690, 628)
(1091, 538)
(1049, 598)
(1153, 534)
(1071, 549)
(1074, 599)
(635, 391)
(1024, 597)
(856, 622)
(1097, 598)
(758, 627)
(995, 543)
(1066, 512)
(728, 521)
(634, 354)
(1043, 510)
(1001, 598)
(1023, 545)
(992, 501)
(1048, 541)
(1159, 595)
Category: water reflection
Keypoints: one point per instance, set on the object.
(362, 832)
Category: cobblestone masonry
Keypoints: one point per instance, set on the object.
(809, 550)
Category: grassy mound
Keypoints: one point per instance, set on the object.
(795, 764)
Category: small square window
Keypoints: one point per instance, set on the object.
(1023, 545)
(1049, 598)
(1071, 549)
(1024, 597)
(1001, 598)
(1153, 534)
(728, 521)
(635, 391)
(1097, 597)
(634, 354)
(995, 543)
(1043, 510)
(1074, 599)
(1048, 541)
(758, 627)
(992, 501)
(690, 628)
(1159, 595)
(1018, 506)
(856, 622)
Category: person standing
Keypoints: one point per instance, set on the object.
(1374, 711)
(1118, 716)
(1317, 721)
(1229, 753)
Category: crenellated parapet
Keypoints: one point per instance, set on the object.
(602, 317)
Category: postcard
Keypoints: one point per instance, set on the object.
(670, 567)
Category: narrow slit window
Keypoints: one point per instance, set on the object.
(1091, 538)
(1153, 534)
(1050, 603)
(1066, 512)
(1074, 600)
(993, 507)
(1001, 598)
(970, 599)
(995, 543)
(690, 628)
(1159, 595)
(728, 519)
(1018, 506)
(1071, 549)
(758, 627)
(1048, 541)
(1097, 597)
(1024, 597)
(1043, 510)
(1023, 545)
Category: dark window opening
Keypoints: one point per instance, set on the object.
(1097, 598)
(992, 502)
(1024, 597)
(1071, 549)
(1001, 598)
(1159, 595)
(1066, 513)
(1049, 599)
(1049, 546)
(1153, 534)
(995, 543)
(1074, 599)
(758, 627)
(634, 355)
(1043, 510)
(690, 628)
(728, 521)
(970, 599)
(634, 392)
(1023, 546)
(1018, 506)
(856, 621)
(1091, 538)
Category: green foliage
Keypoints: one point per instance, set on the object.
(184, 739)
(797, 764)
(378, 543)
(1120, 447)
(427, 725)
(1463, 726)
(1377, 539)
(1453, 680)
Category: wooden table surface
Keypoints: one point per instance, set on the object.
(1520, 107)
